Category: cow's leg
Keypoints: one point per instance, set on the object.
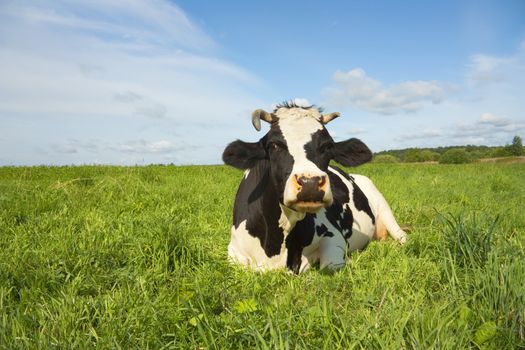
(381, 232)
(383, 213)
(386, 218)
(332, 252)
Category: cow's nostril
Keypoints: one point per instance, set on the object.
(322, 182)
(300, 180)
(313, 183)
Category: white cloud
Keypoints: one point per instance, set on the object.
(112, 71)
(144, 147)
(64, 148)
(356, 88)
(487, 129)
(76, 146)
(356, 131)
(303, 102)
(128, 96)
(299, 101)
(489, 118)
(484, 70)
(156, 23)
(491, 83)
(153, 110)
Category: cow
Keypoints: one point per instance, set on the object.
(292, 208)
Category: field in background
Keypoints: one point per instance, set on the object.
(508, 160)
(135, 257)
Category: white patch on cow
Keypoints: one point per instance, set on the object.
(297, 126)
(246, 173)
(331, 250)
(247, 250)
(363, 228)
(289, 218)
(380, 208)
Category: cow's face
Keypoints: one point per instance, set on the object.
(299, 149)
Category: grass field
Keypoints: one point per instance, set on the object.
(135, 257)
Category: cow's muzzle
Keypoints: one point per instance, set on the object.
(312, 192)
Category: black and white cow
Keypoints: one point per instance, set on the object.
(294, 210)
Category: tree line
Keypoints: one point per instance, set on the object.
(451, 154)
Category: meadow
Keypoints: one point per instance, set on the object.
(135, 257)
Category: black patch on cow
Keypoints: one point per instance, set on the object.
(260, 187)
(251, 190)
(340, 195)
(361, 202)
(342, 173)
(346, 223)
(320, 149)
(339, 190)
(300, 237)
(322, 231)
(257, 203)
(341, 218)
(280, 158)
(336, 214)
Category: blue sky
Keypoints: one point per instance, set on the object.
(139, 82)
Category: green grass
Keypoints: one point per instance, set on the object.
(135, 257)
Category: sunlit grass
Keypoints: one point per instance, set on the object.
(135, 257)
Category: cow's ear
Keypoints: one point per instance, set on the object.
(352, 152)
(243, 155)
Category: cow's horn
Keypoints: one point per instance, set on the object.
(259, 114)
(327, 118)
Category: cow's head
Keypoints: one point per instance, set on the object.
(298, 149)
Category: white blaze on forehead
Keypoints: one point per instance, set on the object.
(297, 126)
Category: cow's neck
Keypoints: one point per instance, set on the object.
(277, 217)
(289, 218)
(274, 210)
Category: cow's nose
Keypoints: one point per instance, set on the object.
(306, 181)
(310, 192)
(311, 183)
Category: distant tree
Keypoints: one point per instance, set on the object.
(417, 155)
(413, 156)
(500, 152)
(385, 158)
(474, 151)
(455, 156)
(429, 156)
(476, 154)
(516, 148)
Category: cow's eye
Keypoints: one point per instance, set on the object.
(276, 146)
